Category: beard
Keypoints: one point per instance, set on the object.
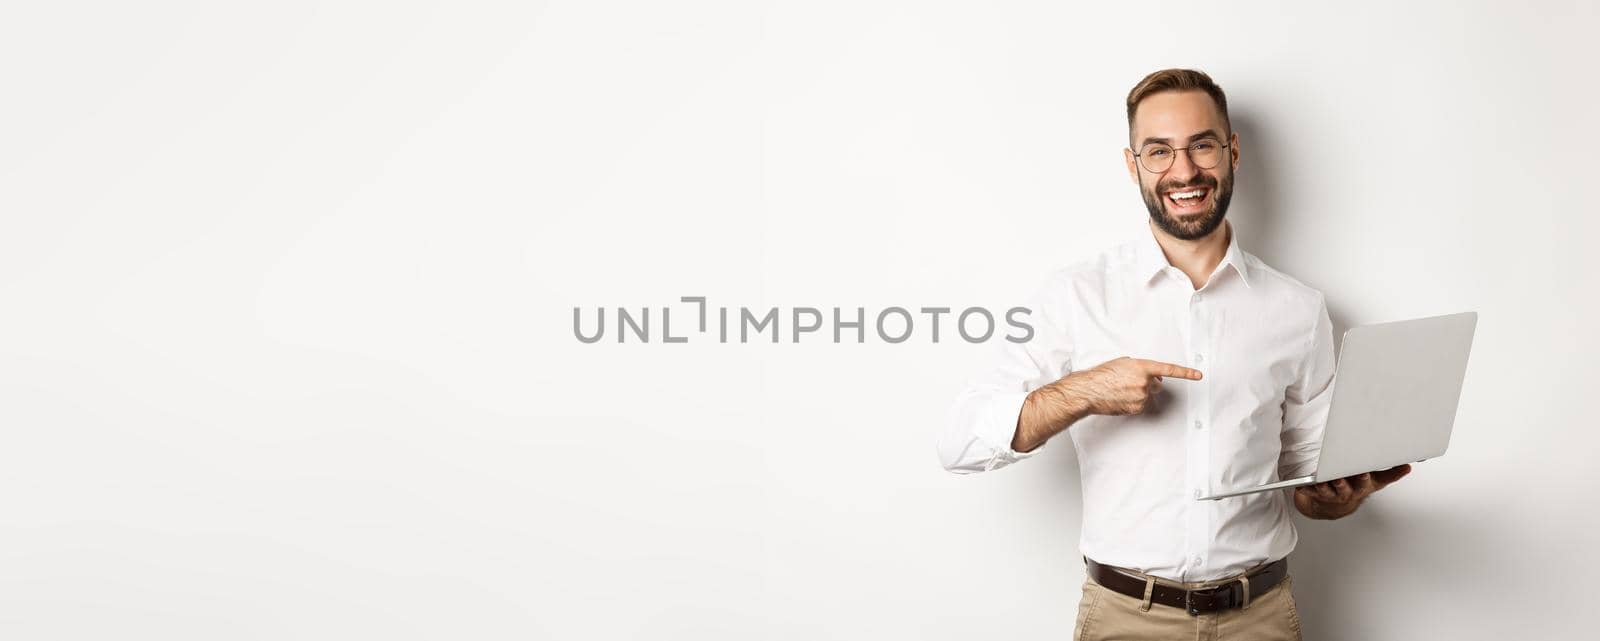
(1194, 226)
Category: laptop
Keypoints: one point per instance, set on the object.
(1394, 398)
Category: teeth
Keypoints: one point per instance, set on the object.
(1187, 194)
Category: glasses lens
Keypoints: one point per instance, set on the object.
(1156, 157)
(1205, 153)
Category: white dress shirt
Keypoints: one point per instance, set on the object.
(1263, 342)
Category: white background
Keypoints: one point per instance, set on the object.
(286, 345)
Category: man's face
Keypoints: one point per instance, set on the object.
(1180, 119)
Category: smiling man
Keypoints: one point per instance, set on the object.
(1178, 364)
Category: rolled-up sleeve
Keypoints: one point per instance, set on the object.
(983, 421)
(1306, 401)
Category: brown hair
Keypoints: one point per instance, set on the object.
(1177, 80)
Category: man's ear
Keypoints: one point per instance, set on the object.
(1133, 169)
(1233, 152)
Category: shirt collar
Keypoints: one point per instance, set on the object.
(1150, 260)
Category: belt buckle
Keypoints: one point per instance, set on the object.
(1188, 598)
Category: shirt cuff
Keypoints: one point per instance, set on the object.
(1000, 426)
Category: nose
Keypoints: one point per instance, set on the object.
(1183, 168)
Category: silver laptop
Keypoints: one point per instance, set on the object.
(1394, 397)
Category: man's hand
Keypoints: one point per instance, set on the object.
(1124, 386)
(1339, 498)
(1116, 387)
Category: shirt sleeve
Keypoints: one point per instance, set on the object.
(982, 422)
(1306, 401)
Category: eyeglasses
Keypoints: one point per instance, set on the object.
(1158, 158)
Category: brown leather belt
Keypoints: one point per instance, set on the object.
(1195, 602)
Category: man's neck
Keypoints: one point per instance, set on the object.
(1196, 258)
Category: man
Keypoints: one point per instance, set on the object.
(1179, 365)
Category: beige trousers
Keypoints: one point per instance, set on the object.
(1104, 615)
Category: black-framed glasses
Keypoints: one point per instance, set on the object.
(1158, 157)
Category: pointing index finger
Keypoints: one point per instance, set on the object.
(1158, 368)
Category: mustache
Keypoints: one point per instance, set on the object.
(1200, 180)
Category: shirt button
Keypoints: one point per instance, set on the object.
(1197, 425)
(1198, 560)
(1195, 298)
(1199, 357)
(1197, 492)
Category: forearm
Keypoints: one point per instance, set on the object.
(1048, 411)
